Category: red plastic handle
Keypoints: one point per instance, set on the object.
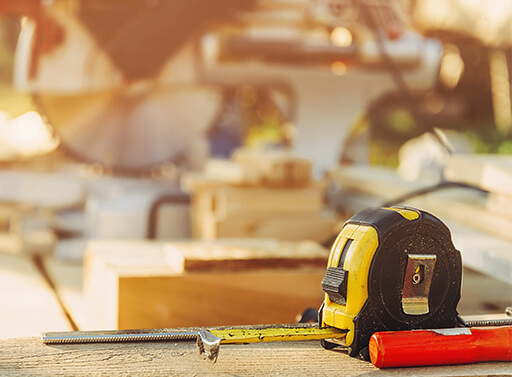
(441, 346)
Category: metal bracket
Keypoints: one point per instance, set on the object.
(417, 281)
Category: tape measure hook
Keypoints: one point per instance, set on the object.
(208, 345)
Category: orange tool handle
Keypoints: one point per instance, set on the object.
(441, 346)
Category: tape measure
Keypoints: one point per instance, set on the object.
(390, 268)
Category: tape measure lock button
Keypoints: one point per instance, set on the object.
(334, 284)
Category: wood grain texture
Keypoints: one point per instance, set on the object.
(29, 357)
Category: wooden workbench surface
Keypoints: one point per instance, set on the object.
(28, 356)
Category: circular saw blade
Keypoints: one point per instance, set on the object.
(130, 129)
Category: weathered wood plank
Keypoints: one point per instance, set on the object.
(28, 357)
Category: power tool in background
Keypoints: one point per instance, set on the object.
(391, 270)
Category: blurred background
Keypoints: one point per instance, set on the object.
(137, 135)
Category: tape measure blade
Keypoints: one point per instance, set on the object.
(277, 334)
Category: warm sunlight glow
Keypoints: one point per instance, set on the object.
(452, 66)
(339, 68)
(28, 135)
(341, 37)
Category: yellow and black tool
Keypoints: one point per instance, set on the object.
(390, 268)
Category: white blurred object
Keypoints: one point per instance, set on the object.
(28, 135)
(487, 20)
(424, 158)
(120, 208)
(6, 149)
(55, 190)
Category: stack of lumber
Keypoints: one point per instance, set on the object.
(259, 195)
(481, 232)
(490, 172)
(143, 284)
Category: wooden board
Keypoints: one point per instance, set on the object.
(482, 295)
(275, 167)
(229, 172)
(29, 306)
(255, 167)
(458, 204)
(275, 201)
(500, 204)
(67, 279)
(127, 284)
(102, 260)
(491, 172)
(29, 357)
(55, 189)
(228, 200)
(240, 254)
(294, 228)
(484, 253)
